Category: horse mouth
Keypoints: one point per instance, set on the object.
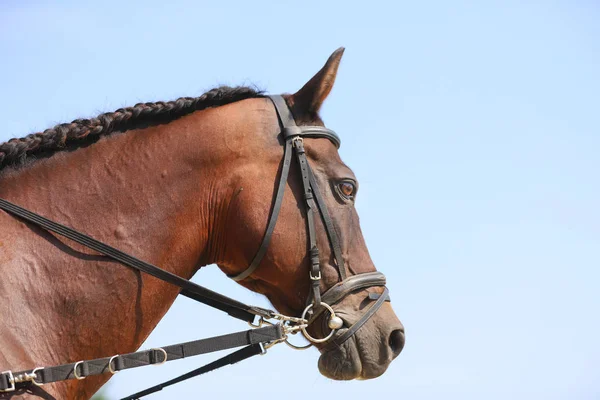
(353, 360)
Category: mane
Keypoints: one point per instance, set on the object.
(80, 132)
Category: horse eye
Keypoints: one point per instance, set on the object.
(347, 189)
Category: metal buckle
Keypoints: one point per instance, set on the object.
(263, 349)
(110, 367)
(77, 376)
(164, 352)
(298, 141)
(315, 278)
(11, 381)
(34, 373)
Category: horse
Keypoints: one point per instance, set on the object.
(180, 184)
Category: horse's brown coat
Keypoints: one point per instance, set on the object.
(181, 195)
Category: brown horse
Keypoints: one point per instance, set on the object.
(179, 184)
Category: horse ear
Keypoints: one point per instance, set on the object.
(308, 100)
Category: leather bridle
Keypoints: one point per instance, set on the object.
(293, 138)
(267, 333)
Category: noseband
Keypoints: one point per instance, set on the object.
(317, 303)
(267, 334)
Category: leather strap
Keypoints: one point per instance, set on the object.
(235, 357)
(315, 263)
(338, 341)
(356, 282)
(312, 132)
(292, 136)
(99, 366)
(190, 289)
(264, 246)
(290, 131)
(329, 228)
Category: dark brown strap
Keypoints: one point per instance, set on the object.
(289, 132)
(355, 282)
(229, 359)
(264, 246)
(337, 341)
(190, 289)
(313, 250)
(329, 227)
(116, 363)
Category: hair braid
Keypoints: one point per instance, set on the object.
(62, 136)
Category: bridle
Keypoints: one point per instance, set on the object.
(293, 138)
(265, 333)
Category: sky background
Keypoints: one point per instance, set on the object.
(474, 131)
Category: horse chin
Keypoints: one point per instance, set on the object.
(345, 363)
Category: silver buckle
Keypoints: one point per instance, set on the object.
(110, 367)
(77, 376)
(164, 353)
(34, 373)
(315, 278)
(11, 381)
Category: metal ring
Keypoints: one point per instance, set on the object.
(303, 329)
(293, 346)
(110, 368)
(34, 372)
(77, 376)
(164, 352)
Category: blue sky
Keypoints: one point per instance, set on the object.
(473, 128)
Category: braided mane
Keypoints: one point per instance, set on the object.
(80, 132)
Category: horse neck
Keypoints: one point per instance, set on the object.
(157, 193)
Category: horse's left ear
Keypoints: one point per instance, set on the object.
(307, 101)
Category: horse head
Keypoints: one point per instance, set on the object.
(284, 273)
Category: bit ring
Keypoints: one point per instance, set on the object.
(307, 335)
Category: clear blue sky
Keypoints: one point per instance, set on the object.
(473, 127)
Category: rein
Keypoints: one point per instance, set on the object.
(271, 328)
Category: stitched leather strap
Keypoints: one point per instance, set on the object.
(356, 282)
(148, 357)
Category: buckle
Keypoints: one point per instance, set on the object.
(110, 367)
(34, 373)
(78, 376)
(315, 278)
(11, 382)
(298, 142)
(154, 358)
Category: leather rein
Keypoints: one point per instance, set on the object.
(271, 328)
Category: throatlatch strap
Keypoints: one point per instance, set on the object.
(190, 289)
(264, 246)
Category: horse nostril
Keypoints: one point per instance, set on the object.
(396, 341)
